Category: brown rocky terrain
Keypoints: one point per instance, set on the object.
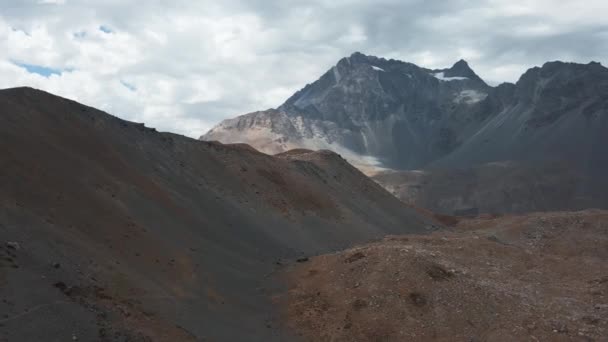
(111, 231)
(536, 277)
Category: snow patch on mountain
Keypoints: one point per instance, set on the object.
(441, 76)
(378, 68)
(337, 75)
(470, 96)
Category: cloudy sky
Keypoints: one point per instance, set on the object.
(183, 65)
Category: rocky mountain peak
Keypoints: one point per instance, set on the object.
(564, 71)
(460, 70)
(394, 114)
(368, 106)
(358, 56)
(556, 83)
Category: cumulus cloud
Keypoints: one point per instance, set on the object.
(182, 66)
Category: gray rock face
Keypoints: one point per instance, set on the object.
(556, 113)
(407, 117)
(400, 114)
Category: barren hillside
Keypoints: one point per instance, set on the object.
(537, 277)
(112, 231)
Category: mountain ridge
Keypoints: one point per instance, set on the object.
(385, 114)
(141, 235)
(334, 104)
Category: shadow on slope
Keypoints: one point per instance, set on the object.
(501, 187)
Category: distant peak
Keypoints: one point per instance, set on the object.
(569, 69)
(561, 64)
(360, 57)
(357, 54)
(460, 63)
(559, 73)
(461, 69)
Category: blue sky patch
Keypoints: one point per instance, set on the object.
(128, 85)
(20, 30)
(105, 29)
(38, 69)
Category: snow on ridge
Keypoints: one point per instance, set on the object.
(377, 68)
(337, 75)
(470, 96)
(441, 76)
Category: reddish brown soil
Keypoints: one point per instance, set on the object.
(539, 277)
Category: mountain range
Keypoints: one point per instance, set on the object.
(388, 116)
(112, 231)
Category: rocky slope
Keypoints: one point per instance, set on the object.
(390, 114)
(538, 277)
(112, 231)
(499, 187)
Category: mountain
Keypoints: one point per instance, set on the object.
(371, 110)
(558, 111)
(111, 231)
(386, 114)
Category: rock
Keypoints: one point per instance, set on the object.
(354, 257)
(13, 245)
(418, 299)
(601, 306)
